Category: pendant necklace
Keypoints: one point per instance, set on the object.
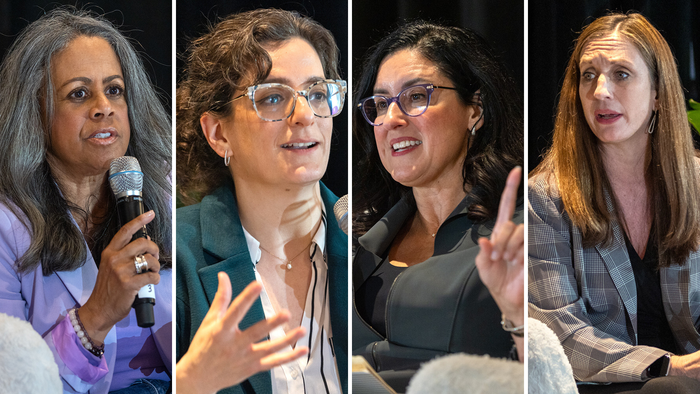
(288, 262)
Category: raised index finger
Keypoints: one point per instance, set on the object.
(506, 207)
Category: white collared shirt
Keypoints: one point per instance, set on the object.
(316, 372)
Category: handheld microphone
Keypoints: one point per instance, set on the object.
(340, 209)
(126, 179)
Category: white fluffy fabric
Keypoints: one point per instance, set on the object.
(462, 373)
(549, 370)
(26, 363)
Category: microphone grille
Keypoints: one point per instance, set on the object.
(340, 209)
(125, 175)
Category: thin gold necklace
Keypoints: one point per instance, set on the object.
(288, 262)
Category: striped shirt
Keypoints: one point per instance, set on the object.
(317, 372)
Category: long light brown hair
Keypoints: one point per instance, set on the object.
(575, 160)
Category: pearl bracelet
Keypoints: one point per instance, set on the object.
(85, 339)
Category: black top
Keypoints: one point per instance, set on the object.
(371, 296)
(652, 325)
(437, 307)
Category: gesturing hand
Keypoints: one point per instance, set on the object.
(221, 355)
(117, 281)
(500, 261)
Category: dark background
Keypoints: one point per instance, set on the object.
(501, 23)
(147, 24)
(553, 26)
(194, 17)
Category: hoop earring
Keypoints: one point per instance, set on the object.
(227, 158)
(650, 130)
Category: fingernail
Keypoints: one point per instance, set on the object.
(494, 255)
(150, 213)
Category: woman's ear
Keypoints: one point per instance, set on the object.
(212, 126)
(476, 116)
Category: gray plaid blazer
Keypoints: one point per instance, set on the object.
(588, 296)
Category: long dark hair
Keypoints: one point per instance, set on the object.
(27, 186)
(466, 59)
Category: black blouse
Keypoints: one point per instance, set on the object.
(652, 326)
(371, 296)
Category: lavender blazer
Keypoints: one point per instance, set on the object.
(588, 295)
(44, 300)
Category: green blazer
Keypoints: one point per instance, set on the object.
(210, 239)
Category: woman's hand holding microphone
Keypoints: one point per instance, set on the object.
(117, 279)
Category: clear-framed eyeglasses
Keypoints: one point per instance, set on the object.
(276, 101)
(412, 101)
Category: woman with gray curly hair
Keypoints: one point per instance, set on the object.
(77, 97)
(253, 140)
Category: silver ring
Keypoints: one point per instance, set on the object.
(141, 264)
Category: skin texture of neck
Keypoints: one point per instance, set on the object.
(87, 192)
(284, 219)
(416, 240)
(626, 164)
(435, 203)
(279, 215)
(627, 168)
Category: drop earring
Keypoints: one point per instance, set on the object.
(227, 158)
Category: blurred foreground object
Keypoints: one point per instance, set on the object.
(464, 373)
(548, 368)
(26, 363)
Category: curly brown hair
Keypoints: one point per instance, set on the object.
(224, 61)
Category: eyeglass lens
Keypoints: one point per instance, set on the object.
(413, 101)
(277, 102)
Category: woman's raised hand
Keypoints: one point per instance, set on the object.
(117, 281)
(500, 261)
(221, 355)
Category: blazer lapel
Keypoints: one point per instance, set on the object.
(80, 282)
(378, 240)
(225, 243)
(618, 263)
(240, 278)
